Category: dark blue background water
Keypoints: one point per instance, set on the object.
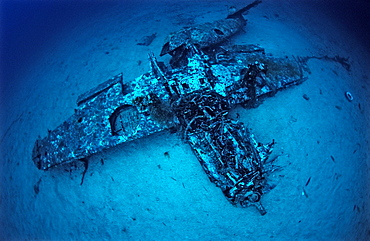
(27, 25)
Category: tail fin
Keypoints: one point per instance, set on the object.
(239, 13)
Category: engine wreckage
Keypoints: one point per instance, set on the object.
(194, 94)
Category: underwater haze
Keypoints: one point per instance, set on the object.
(154, 188)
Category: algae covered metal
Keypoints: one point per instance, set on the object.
(192, 95)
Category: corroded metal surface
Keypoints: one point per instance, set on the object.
(207, 34)
(103, 119)
(193, 95)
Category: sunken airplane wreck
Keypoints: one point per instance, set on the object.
(193, 94)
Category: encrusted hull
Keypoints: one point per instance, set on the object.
(193, 94)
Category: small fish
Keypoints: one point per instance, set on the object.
(147, 40)
(36, 187)
(304, 193)
(357, 208)
(308, 181)
(332, 158)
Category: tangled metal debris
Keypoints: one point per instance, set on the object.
(193, 94)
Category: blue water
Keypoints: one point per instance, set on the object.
(154, 188)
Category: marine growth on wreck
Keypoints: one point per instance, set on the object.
(193, 94)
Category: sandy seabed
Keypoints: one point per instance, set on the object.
(139, 193)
